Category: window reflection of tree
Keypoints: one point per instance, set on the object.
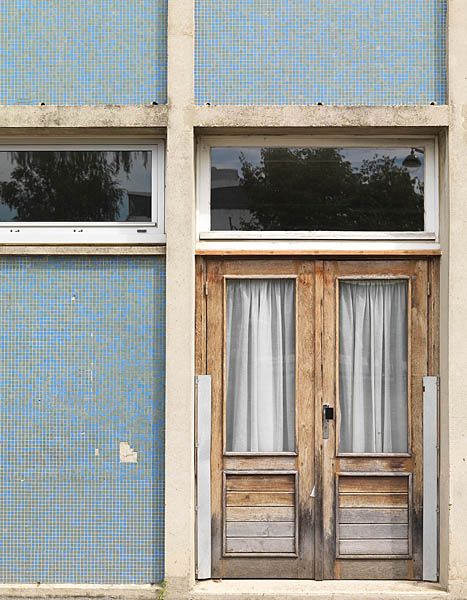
(67, 185)
(318, 189)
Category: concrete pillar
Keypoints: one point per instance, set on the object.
(180, 227)
(455, 363)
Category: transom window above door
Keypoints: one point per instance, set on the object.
(82, 193)
(273, 188)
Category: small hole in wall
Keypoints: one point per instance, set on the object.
(42, 103)
(155, 103)
(433, 103)
(319, 103)
(207, 104)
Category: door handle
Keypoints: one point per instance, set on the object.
(328, 415)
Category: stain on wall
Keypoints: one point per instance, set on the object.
(338, 52)
(82, 342)
(81, 52)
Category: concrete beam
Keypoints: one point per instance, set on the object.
(320, 116)
(81, 117)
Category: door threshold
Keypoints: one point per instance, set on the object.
(281, 589)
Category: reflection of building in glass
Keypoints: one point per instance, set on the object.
(229, 203)
(139, 207)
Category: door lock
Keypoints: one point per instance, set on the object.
(328, 415)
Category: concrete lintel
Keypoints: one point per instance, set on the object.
(320, 116)
(82, 117)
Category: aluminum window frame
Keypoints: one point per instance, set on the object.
(85, 232)
(431, 192)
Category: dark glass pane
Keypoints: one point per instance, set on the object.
(63, 186)
(317, 189)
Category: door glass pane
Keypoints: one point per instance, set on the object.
(260, 365)
(373, 358)
(317, 189)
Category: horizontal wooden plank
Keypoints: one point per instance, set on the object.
(260, 499)
(401, 464)
(373, 531)
(258, 462)
(374, 547)
(260, 529)
(374, 484)
(370, 500)
(260, 483)
(373, 515)
(373, 569)
(249, 545)
(260, 513)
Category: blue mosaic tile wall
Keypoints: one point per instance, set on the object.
(339, 52)
(75, 52)
(82, 369)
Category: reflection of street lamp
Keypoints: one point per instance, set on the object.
(412, 161)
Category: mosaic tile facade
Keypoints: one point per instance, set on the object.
(80, 52)
(338, 52)
(82, 343)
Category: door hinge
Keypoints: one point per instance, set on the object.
(205, 288)
(428, 288)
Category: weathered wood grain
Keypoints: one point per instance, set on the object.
(373, 515)
(260, 483)
(374, 547)
(374, 484)
(260, 499)
(373, 531)
(264, 513)
(261, 529)
(373, 500)
(270, 545)
(373, 569)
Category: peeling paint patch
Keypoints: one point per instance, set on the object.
(127, 454)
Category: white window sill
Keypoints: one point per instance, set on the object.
(79, 234)
(329, 247)
(399, 236)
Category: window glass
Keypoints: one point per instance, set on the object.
(260, 365)
(75, 185)
(317, 189)
(373, 366)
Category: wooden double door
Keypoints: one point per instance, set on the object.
(316, 443)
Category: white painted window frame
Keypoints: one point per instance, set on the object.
(62, 233)
(429, 235)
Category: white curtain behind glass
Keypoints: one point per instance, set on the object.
(260, 365)
(373, 365)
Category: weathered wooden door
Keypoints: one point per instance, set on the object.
(317, 416)
(259, 354)
(374, 354)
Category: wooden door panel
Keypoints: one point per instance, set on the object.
(372, 503)
(261, 505)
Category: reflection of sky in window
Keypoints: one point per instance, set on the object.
(137, 181)
(229, 158)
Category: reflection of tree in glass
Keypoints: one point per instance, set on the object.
(317, 189)
(65, 185)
